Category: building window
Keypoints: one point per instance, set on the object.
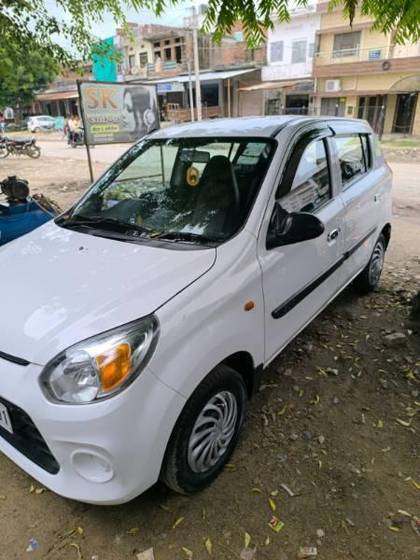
(143, 59)
(177, 39)
(167, 42)
(299, 51)
(168, 54)
(276, 51)
(156, 45)
(131, 61)
(311, 50)
(178, 53)
(346, 44)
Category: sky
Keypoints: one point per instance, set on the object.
(172, 16)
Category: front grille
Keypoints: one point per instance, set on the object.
(27, 439)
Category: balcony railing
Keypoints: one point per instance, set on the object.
(355, 54)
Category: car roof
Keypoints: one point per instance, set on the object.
(264, 127)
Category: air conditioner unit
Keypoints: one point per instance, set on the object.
(332, 85)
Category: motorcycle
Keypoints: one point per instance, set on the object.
(77, 138)
(19, 147)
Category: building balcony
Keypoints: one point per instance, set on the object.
(348, 62)
(166, 69)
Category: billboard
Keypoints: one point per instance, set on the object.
(117, 112)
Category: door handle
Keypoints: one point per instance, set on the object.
(333, 234)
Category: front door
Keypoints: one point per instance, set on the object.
(300, 279)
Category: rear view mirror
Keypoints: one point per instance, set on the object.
(288, 228)
(194, 156)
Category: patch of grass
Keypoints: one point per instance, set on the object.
(409, 142)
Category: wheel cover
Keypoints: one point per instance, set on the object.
(212, 432)
(376, 263)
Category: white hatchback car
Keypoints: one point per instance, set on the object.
(41, 122)
(135, 327)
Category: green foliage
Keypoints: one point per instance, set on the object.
(28, 25)
(20, 80)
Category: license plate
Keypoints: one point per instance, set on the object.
(5, 421)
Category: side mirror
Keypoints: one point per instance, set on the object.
(288, 228)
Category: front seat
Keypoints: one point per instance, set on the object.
(217, 208)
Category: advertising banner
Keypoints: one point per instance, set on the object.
(117, 112)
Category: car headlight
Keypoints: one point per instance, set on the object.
(101, 366)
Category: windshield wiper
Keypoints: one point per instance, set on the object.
(97, 221)
(186, 236)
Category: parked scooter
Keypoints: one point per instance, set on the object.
(19, 147)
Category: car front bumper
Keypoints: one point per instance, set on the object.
(106, 452)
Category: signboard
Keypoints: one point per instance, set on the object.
(170, 87)
(117, 112)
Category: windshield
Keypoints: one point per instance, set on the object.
(179, 189)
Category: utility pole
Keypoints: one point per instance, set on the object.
(190, 90)
(196, 66)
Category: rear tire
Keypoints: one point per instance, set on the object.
(368, 280)
(206, 432)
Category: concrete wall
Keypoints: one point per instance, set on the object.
(416, 124)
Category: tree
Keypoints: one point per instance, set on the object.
(28, 25)
(19, 81)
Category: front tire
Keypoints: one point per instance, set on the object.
(368, 280)
(33, 151)
(206, 432)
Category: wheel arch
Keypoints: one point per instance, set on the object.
(386, 232)
(243, 363)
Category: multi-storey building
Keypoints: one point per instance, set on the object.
(362, 73)
(287, 83)
(164, 55)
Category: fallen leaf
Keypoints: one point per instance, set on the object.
(403, 422)
(282, 411)
(315, 400)
(209, 546)
(178, 522)
(188, 553)
(267, 541)
(272, 503)
(395, 529)
(415, 484)
(276, 524)
(146, 555)
(247, 539)
(274, 493)
(133, 531)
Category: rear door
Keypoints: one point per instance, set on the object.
(362, 195)
(300, 279)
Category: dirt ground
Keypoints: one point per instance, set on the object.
(336, 424)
